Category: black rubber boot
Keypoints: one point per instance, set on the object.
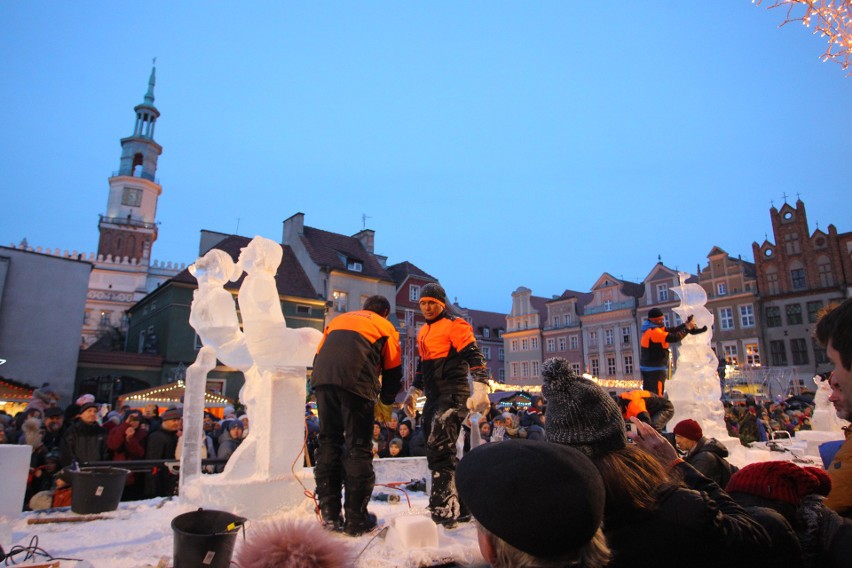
(360, 524)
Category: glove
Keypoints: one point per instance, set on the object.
(478, 402)
(409, 405)
(382, 412)
(475, 417)
(498, 433)
(697, 330)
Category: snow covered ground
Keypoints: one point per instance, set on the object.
(139, 534)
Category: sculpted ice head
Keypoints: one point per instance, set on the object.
(215, 268)
(262, 255)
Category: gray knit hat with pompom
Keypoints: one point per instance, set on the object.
(579, 412)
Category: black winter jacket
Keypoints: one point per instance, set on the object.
(696, 526)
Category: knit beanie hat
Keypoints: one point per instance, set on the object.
(689, 429)
(776, 480)
(534, 480)
(435, 291)
(171, 414)
(655, 313)
(579, 412)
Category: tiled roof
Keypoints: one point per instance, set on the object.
(491, 320)
(400, 271)
(539, 304)
(632, 288)
(326, 250)
(290, 279)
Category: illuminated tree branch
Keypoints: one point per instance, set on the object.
(831, 19)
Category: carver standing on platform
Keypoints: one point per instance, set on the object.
(355, 349)
(448, 352)
(654, 348)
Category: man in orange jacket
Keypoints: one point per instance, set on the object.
(448, 352)
(654, 348)
(355, 348)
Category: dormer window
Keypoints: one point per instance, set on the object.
(486, 332)
(354, 265)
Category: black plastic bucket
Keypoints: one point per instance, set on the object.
(96, 489)
(205, 538)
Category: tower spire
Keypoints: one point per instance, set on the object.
(149, 96)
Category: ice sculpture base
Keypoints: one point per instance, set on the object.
(253, 498)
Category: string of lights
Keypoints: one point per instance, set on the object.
(831, 19)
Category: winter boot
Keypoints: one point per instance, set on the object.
(356, 497)
(332, 520)
(360, 524)
(444, 501)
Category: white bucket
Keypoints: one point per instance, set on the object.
(14, 467)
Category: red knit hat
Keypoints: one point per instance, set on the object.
(823, 477)
(777, 480)
(689, 429)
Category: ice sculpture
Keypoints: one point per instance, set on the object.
(257, 479)
(694, 388)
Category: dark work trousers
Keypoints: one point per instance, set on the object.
(345, 453)
(654, 381)
(443, 415)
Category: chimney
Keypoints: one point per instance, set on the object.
(294, 227)
(367, 238)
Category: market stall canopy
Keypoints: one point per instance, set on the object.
(170, 395)
(14, 392)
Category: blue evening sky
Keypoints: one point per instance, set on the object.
(493, 144)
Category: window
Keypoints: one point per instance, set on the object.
(813, 310)
(141, 346)
(341, 300)
(574, 342)
(666, 320)
(799, 351)
(625, 335)
(794, 314)
(610, 366)
(826, 278)
(752, 352)
(662, 292)
(534, 343)
(551, 345)
(525, 368)
(820, 357)
(414, 293)
(747, 316)
(501, 354)
(514, 345)
(773, 316)
(303, 310)
(726, 319)
(525, 344)
(722, 289)
(772, 282)
(731, 354)
(576, 367)
(593, 339)
(792, 243)
(502, 375)
(104, 322)
(354, 265)
(596, 366)
(562, 343)
(486, 352)
(628, 364)
(778, 353)
(486, 332)
(798, 279)
(567, 320)
(535, 368)
(608, 337)
(514, 369)
(608, 305)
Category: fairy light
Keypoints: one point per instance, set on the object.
(168, 394)
(832, 19)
